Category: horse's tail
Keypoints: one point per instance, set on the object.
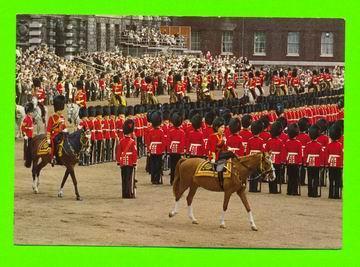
(177, 177)
(28, 155)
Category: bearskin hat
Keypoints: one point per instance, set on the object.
(265, 121)
(29, 107)
(275, 72)
(166, 114)
(148, 79)
(304, 124)
(209, 117)
(340, 103)
(314, 132)
(128, 126)
(120, 110)
(106, 111)
(192, 113)
(136, 109)
(59, 103)
(60, 78)
(196, 121)
(83, 112)
(37, 82)
(156, 118)
(283, 121)
(256, 127)
(91, 111)
(339, 123)
(294, 73)
(99, 110)
(176, 119)
(112, 110)
(217, 123)
(276, 129)
(226, 114)
(279, 109)
(129, 111)
(116, 79)
(323, 124)
(234, 125)
(293, 130)
(246, 120)
(79, 84)
(335, 132)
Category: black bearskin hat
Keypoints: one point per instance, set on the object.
(59, 103)
(283, 121)
(323, 124)
(246, 120)
(314, 132)
(116, 79)
(234, 125)
(99, 110)
(265, 121)
(340, 103)
(339, 123)
(276, 129)
(293, 130)
(106, 111)
(335, 132)
(279, 109)
(217, 123)
(156, 119)
(129, 111)
(256, 127)
(209, 117)
(196, 121)
(29, 107)
(112, 110)
(177, 78)
(304, 124)
(136, 109)
(120, 110)
(226, 114)
(176, 119)
(128, 126)
(148, 79)
(294, 73)
(166, 114)
(79, 84)
(83, 112)
(91, 111)
(37, 82)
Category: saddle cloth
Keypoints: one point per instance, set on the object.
(43, 148)
(207, 169)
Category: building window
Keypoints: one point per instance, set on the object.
(327, 44)
(227, 42)
(195, 40)
(293, 43)
(259, 43)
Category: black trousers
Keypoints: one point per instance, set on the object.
(302, 175)
(106, 151)
(274, 186)
(139, 145)
(174, 158)
(335, 187)
(155, 168)
(112, 146)
(254, 184)
(98, 152)
(313, 181)
(127, 182)
(92, 152)
(27, 151)
(293, 179)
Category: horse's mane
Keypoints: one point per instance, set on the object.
(248, 157)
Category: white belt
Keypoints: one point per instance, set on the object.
(128, 153)
(155, 143)
(174, 142)
(275, 153)
(333, 156)
(233, 148)
(191, 145)
(254, 151)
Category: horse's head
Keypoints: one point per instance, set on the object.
(85, 138)
(266, 167)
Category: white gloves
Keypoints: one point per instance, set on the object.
(48, 141)
(65, 130)
(26, 138)
(213, 161)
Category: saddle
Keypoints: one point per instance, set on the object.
(206, 168)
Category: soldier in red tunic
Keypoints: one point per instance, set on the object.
(27, 130)
(98, 134)
(275, 147)
(295, 82)
(80, 97)
(90, 122)
(59, 86)
(55, 127)
(304, 138)
(113, 134)
(334, 160)
(120, 121)
(195, 141)
(234, 141)
(83, 124)
(265, 135)
(155, 147)
(314, 160)
(126, 158)
(117, 88)
(176, 143)
(105, 123)
(323, 139)
(245, 133)
(208, 129)
(293, 154)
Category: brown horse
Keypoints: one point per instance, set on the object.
(186, 176)
(69, 150)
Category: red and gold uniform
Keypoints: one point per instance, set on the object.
(126, 153)
(56, 124)
(334, 160)
(80, 98)
(27, 126)
(117, 89)
(40, 95)
(217, 144)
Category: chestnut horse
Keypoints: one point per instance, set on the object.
(72, 145)
(241, 169)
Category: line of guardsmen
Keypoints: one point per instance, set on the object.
(167, 132)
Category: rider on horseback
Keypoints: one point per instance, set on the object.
(55, 127)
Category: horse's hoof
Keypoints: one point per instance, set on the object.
(254, 228)
(195, 222)
(78, 198)
(171, 214)
(36, 191)
(60, 195)
(222, 226)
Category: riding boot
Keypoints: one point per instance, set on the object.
(221, 179)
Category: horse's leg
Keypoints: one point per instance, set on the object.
(34, 173)
(72, 173)
(241, 193)
(227, 196)
(41, 165)
(189, 200)
(66, 175)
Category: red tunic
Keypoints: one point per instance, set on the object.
(137, 84)
(265, 135)
(55, 125)
(117, 88)
(155, 140)
(80, 98)
(60, 88)
(112, 124)
(255, 144)
(102, 84)
(119, 122)
(216, 144)
(83, 124)
(106, 128)
(137, 126)
(275, 147)
(27, 127)
(126, 153)
(234, 144)
(40, 95)
(90, 123)
(195, 143)
(323, 140)
(245, 135)
(176, 141)
(334, 154)
(313, 154)
(98, 129)
(304, 139)
(293, 151)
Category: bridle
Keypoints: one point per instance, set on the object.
(263, 172)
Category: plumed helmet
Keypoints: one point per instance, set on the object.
(29, 107)
(293, 130)
(99, 110)
(314, 132)
(116, 79)
(256, 127)
(91, 111)
(128, 126)
(176, 119)
(246, 120)
(156, 119)
(323, 124)
(79, 84)
(217, 123)
(112, 110)
(265, 121)
(148, 79)
(196, 121)
(209, 117)
(129, 111)
(335, 132)
(304, 124)
(59, 103)
(120, 110)
(276, 129)
(83, 112)
(234, 125)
